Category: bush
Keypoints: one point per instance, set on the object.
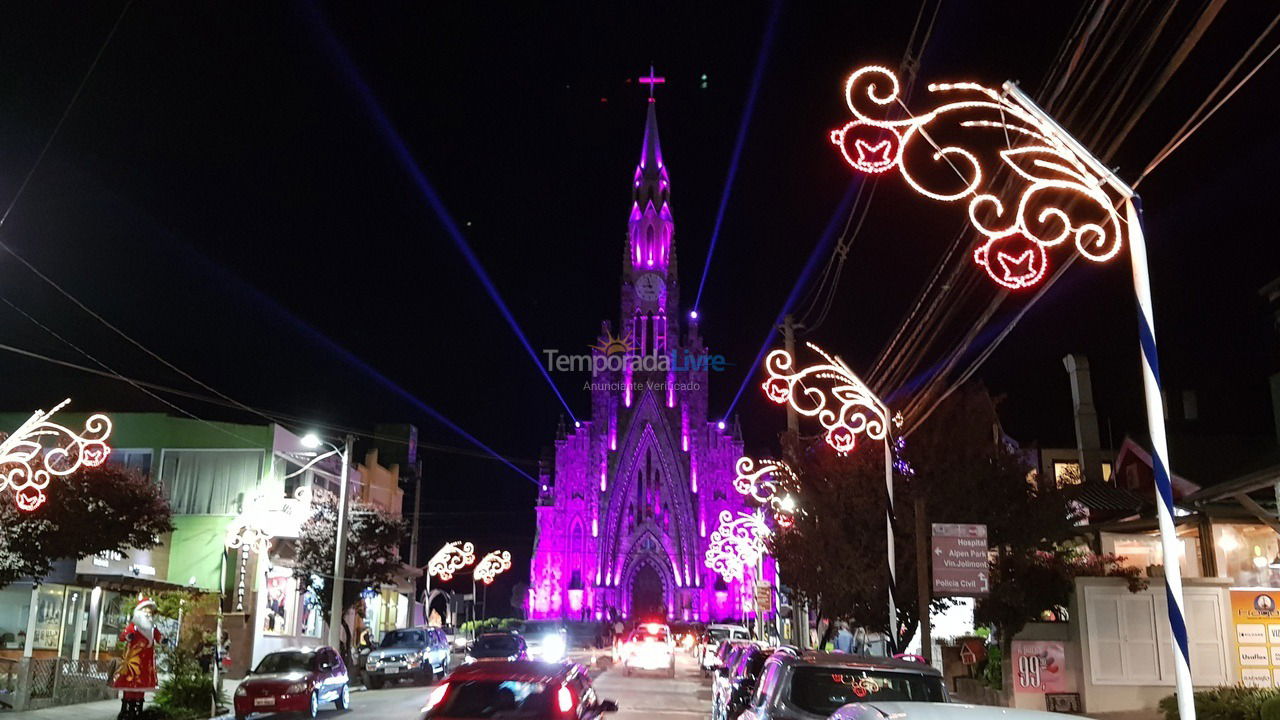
(184, 693)
(993, 671)
(1229, 703)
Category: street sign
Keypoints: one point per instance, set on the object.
(960, 564)
(764, 597)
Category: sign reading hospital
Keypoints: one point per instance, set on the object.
(960, 564)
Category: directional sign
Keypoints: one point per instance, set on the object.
(960, 565)
(764, 596)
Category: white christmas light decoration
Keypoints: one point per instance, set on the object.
(763, 480)
(736, 544)
(1061, 194)
(450, 559)
(265, 517)
(40, 450)
(493, 565)
(845, 410)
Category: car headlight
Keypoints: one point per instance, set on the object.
(296, 688)
(242, 691)
(460, 642)
(553, 648)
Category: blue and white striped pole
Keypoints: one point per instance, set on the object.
(1159, 460)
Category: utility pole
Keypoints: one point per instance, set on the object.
(923, 563)
(340, 552)
(413, 539)
(799, 611)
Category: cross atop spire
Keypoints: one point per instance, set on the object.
(652, 80)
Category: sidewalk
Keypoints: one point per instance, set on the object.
(100, 710)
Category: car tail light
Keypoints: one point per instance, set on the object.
(565, 699)
(436, 696)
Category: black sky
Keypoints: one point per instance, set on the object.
(220, 193)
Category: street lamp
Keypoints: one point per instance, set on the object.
(846, 408)
(313, 441)
(1063, 193)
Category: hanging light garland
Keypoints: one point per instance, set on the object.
(766, 481)
(41, 449)
(1061, 194)
(266, 517)
(493, 565)
(451, 558)
(846, 409)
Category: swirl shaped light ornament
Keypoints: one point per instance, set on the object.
(767, 481)
(738, 543)
(41, 449)
(492, 565)
(831, 393)
(265, 518)
(451, 558)
(952, 153)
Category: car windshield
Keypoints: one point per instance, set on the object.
(494, 645)
(495, 699)
(718, 634)
(280, 662)
(404, 638)
(650, 636)
(538, 629)
(822, 691)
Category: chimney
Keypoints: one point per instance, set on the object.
(1087, 441)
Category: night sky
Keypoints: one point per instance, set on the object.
(222, 192)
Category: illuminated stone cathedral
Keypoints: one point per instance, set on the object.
(634, 492)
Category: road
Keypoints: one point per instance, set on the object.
(687, 697)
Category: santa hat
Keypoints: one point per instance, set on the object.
(145, 602)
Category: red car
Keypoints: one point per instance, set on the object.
(522, 688)
(298, 680)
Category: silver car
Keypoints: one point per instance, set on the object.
(418, 654)
(813, 685)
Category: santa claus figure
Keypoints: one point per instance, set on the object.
(137, 673)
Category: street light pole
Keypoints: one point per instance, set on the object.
(340, 552)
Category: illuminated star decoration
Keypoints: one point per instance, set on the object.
(265, 517)
(1059, 195)
(765, 482)
(451, 558)
(736, 544)
(27, 465)
(493, 565)
(847, 407)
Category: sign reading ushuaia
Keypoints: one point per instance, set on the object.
(960, 565)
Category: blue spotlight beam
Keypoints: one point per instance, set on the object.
(744, 124)
(402, 154)
(819, 250)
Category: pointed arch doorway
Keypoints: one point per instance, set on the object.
(647, 601)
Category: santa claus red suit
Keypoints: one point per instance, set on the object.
(137, 672)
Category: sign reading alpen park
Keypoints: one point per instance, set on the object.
(960, 564)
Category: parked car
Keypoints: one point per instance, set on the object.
(940, 711)
(649, 647)
(813, 685)
(727, 657)
(711, 640)
(298, 680)
(525, 689)
(418, 654)
(496, 646)
(739, 683)
(546, 640)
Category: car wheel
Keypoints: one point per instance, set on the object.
(344, 698)
(374, 683)
(425, 676)
(314, 708)
(242, 717)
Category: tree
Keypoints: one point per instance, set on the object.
(959, 462)
(373, 551)
(94, 510)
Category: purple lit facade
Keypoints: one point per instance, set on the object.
(632, 496)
